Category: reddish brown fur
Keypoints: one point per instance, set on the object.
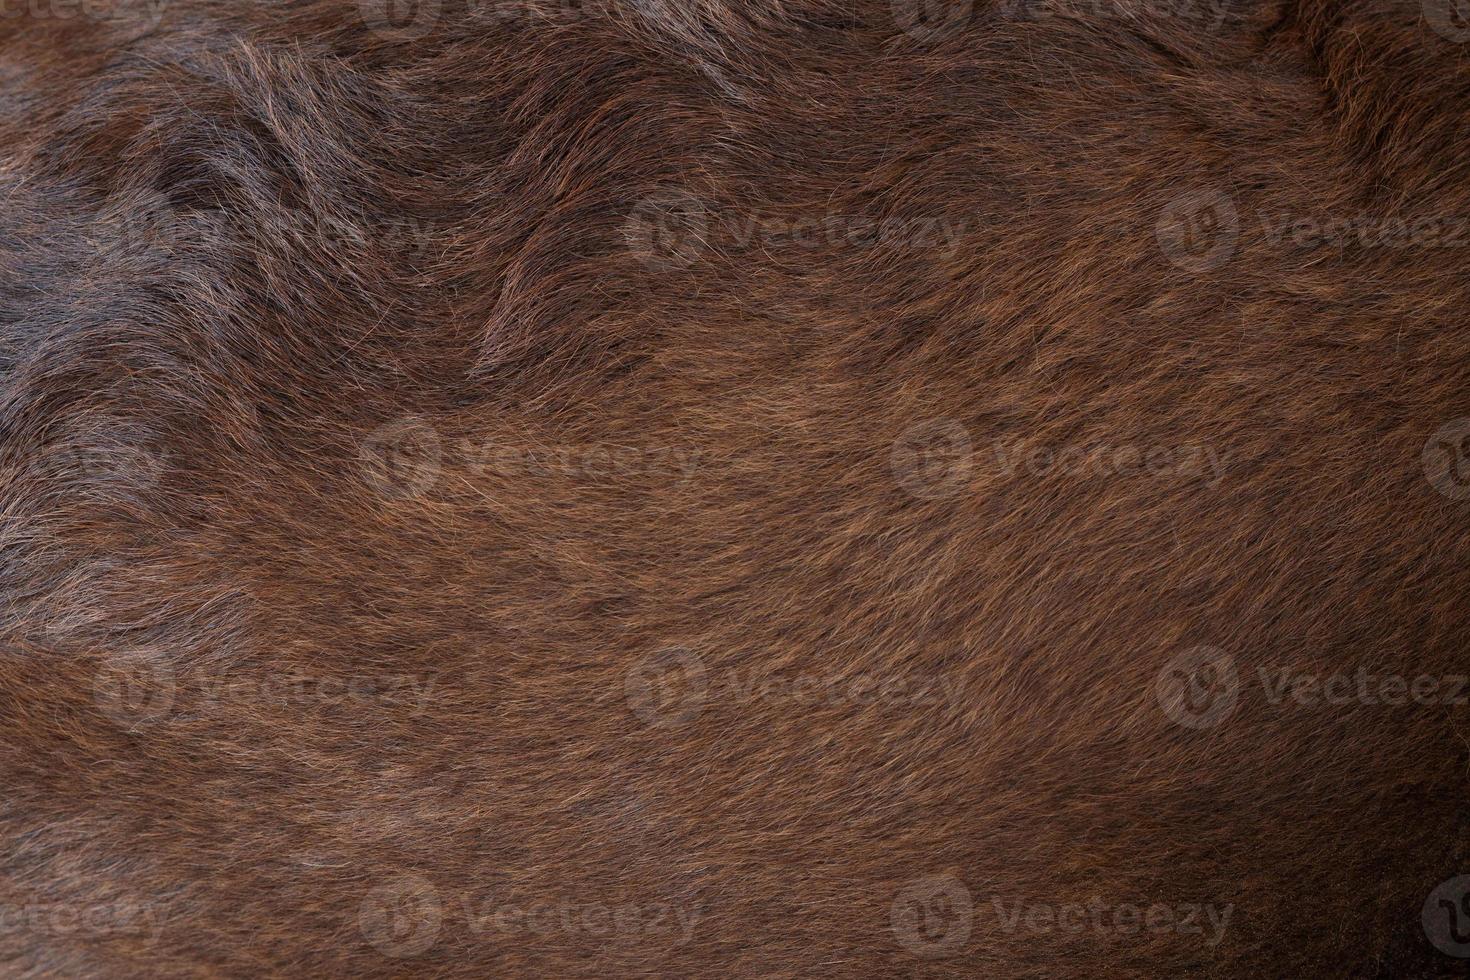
(316, 334)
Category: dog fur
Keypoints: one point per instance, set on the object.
(750, 467)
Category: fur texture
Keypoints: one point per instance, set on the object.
(711, 488)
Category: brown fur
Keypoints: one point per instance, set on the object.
(786, 473)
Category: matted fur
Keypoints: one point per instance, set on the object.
(712, 488)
